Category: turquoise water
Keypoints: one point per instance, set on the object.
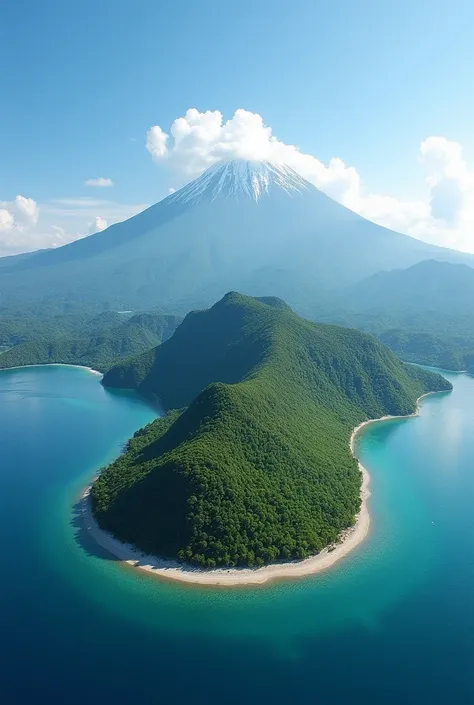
(392, 623)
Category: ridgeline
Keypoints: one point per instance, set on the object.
(252, 465)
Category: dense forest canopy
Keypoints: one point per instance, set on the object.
(97, 342)
(252, 464)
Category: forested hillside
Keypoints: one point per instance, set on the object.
(100, 345)
(32, 324)
(254, 464)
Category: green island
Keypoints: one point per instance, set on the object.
(252, 464)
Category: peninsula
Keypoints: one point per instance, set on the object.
(252, 464)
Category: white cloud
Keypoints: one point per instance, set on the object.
(445, 216)
(199, 140)
(19, 215)
(97, 225)
(6, 219)
(451, 183)
(100, 181)
(25, 211)
(25, 227)
(156, 142)
(171, 190)
(60, 236)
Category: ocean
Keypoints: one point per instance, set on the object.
(393, 622)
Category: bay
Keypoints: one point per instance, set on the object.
(391, 623)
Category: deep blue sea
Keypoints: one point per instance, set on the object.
(391, 624)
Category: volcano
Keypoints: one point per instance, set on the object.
(257, 227)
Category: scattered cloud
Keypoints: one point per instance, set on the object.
(445, 216)
(171, 190)
(25, 226)
(97, 225)
(17, 219)
(101, 181)
(19, 214)
(86, 209)
(6, 219)
(199, 140)
(156, 141)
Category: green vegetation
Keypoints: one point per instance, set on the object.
(253, 464)
(32, 324)
(447, 352)
(99, 342)
(425, 313)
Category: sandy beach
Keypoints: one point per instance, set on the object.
(172, 570)
(55, 364)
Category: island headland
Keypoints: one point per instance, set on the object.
(250, 475)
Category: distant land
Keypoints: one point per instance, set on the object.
(101, 343)
(257, 227)
(252, 463)
(424, 313)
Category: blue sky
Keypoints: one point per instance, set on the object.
(364, 81)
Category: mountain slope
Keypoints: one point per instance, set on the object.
(255, 465)
(424, 313)
(240, 225)
(427, 288)
(100, 349)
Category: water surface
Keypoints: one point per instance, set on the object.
(392, 623)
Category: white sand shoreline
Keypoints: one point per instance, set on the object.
(173, 570)
(52, 364)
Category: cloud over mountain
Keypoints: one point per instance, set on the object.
(445, 216)
(97, 225)
(199, 140)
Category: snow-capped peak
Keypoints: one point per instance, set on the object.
(239, 178)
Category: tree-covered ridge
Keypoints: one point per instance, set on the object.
(99, 345)
(255, 466)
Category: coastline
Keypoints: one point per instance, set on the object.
(173, 570)
(53, 364)
(228, 577)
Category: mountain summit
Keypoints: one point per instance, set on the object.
(240, 178)
(257, 227)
